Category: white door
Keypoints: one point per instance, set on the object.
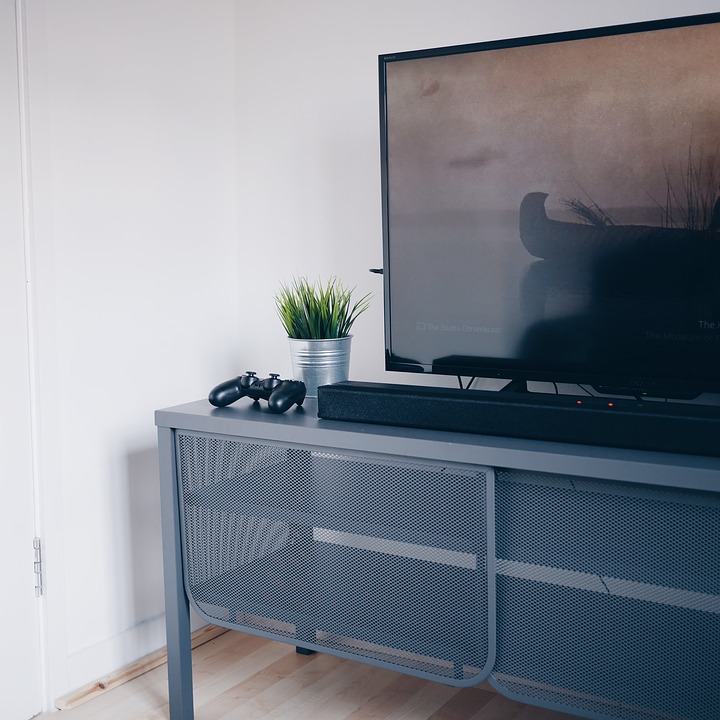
(20, 671)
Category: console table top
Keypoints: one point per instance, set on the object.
(301, 426)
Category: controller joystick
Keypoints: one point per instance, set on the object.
(248, 378)
(280, 394)
(271, 382)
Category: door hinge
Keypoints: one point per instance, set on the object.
(38, 567)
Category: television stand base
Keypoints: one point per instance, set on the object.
(648, 391)
(516, 386)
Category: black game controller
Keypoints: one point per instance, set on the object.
(280, 394)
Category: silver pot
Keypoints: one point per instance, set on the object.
(320, 362)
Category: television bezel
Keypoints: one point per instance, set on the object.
(507, 369)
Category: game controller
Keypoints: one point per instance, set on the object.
(280, 394)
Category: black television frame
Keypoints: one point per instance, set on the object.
(479, 367)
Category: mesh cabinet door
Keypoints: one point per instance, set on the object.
(367, 557)
(608, 598)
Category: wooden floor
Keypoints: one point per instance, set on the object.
(242, 677)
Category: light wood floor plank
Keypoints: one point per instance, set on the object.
(384, 702)
(421, 706)
(463, 704)
(241, 672)
(243, 677)
(498, 708)
(225, 656)
(307, 702)
(265, 690)
(363, 695)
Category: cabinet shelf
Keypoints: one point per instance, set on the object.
(321, 591)
(433, 537)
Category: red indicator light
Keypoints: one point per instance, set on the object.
(610, 404)
(579, 402)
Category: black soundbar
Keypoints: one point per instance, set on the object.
(642, 425)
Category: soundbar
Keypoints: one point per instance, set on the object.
(641, 425)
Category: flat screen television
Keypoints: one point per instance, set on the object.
(551, 208)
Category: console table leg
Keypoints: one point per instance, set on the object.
(177, 607)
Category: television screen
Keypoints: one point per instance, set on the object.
(551, 207)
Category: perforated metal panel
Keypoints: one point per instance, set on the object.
(367, 557)
(608, 598)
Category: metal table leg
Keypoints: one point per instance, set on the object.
(177, 607)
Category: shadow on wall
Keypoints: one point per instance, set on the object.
(145, 535)
(142, 563)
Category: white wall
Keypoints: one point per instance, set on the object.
(188, 155)
(132, 125)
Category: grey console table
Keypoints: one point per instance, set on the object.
(581, 579)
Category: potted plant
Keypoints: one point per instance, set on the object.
(317, 318)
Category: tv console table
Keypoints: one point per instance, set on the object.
(581, 579)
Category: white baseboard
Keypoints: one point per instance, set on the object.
(109, 653)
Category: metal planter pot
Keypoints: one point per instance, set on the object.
(320, 362)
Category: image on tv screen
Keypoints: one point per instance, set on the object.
(555, 206)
